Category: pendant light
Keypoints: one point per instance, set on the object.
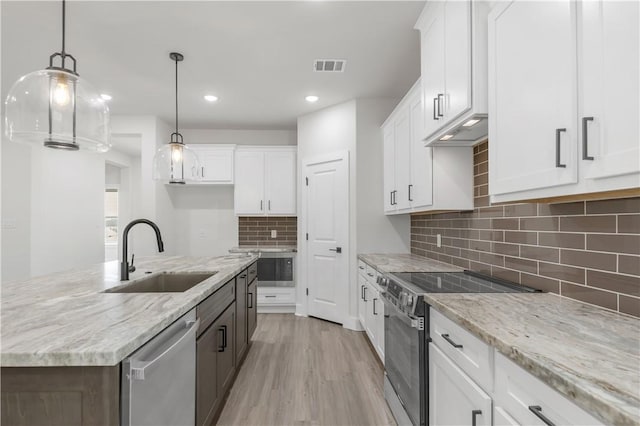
(54, 107)
(175, 162)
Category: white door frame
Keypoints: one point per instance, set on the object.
(302, 301)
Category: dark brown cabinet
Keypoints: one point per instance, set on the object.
(252, 311)
(216, 365)
(242, 342)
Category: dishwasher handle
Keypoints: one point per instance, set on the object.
(141, 368)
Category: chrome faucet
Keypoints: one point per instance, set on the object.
(124, 265)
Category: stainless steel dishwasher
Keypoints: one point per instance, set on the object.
(159, 379)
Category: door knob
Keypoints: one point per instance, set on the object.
(337, 249)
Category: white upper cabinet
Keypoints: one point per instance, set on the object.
(419, 178)
(280, 182)
(609, 86)
(453, 46)
(532, 132)
(265, 181)
(216, 163)
(563, 96)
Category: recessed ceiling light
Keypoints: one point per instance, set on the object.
(312, 98)
(471, 122)
(210, 98)
(105, 97)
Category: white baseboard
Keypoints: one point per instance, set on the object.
(353, 323)
(267, 309)
(301, 310)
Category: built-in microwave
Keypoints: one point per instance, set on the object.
(276, 269)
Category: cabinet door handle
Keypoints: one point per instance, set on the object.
(365, 294)
(440, 96)
(362, 292)
(451, 342)
(260, 205)
(374, 307)
(223, 329)
(558, 133)
(537, 410)
(202, 171)
(475, 413)
(585, 143)
(410, 186)
(435, 117)
(250, 302)
(269, 205)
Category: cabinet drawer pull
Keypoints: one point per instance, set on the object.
(370, 274)
(374, 307)
(361, 267)
(440, 95)
(537, 410)
(558, 133)
(585, 142)
(270, 296)
(451, 342)
(435, 117)
(475, 413)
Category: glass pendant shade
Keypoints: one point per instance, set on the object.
(176, 163)
(57, 109)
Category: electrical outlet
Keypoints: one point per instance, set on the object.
(438, 240)
(274, 233)
(202, 234)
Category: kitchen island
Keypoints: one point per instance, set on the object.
(64, 335)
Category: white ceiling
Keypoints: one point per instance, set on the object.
(257, 57)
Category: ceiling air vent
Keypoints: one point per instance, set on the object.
(329, 65)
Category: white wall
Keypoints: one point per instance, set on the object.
(16, 211)
(352, 126)
(239, 137)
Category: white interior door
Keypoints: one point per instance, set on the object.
(326, 198)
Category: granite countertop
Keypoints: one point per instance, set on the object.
(588, 354)
(405, 262)
(65, 319)
(264, 249)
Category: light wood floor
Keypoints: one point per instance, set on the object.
(304, 371)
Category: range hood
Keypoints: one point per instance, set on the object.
(467, 131)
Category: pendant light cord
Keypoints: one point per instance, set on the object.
(64, 28)
(177, 96)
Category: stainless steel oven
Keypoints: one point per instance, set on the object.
(405, 368)
(276, 269)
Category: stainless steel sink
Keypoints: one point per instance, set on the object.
(166, 282)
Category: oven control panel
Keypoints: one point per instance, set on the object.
(403, 299)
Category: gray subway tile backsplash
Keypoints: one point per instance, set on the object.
(587, 250)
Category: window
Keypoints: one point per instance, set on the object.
(111, 216)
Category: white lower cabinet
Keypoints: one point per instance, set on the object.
(454, 399)
(525, 400)
(471, 383)
(371, 307)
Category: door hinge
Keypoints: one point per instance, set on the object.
(306, 181)
(307, 291)
(307, 236)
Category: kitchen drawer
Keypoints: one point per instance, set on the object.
(211, 307)
(276, 296)
(471, 354)
(252, 271)
(517, 390)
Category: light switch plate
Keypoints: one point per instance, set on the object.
(438, 240)
(274, 233)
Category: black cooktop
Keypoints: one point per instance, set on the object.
(460, 282)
